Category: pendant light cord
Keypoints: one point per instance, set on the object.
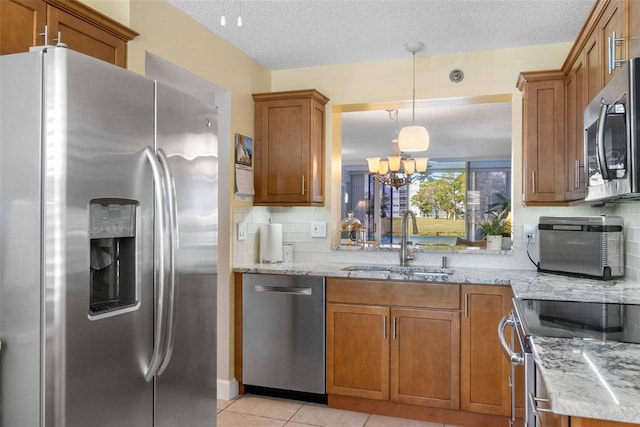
(414, 88)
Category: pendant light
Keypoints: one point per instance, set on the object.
(413, 138)
(396, 170)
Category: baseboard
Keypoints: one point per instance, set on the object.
(227, 389)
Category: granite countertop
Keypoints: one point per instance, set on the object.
(584, 378)
(590, 378)
(525, 283)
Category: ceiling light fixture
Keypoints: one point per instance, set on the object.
(223, 20)
(397, 170)
(413, 138)
(240, 15)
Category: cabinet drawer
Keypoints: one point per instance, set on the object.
(394, 293)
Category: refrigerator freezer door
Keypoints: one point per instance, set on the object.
(20, 236)
(98, 120)
(186, 386)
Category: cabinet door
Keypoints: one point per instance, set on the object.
(358, 351)
(633, 20)
(576, 101)
(544, 138)
(545, 418)
(425, 357)
(83, 37)
(594, 63)
(589, 422)
(613, 21)
(485, 370)
(21, 22)
(289, 149)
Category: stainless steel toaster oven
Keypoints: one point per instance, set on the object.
(590, 246)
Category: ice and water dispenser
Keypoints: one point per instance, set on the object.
(112, 255)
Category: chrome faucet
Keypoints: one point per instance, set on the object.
(404, 253)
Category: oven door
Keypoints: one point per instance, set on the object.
(516, 359)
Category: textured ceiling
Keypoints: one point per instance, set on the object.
(284, 34)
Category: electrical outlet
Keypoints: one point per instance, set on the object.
(529, 233)
(242, 230)
(318, 229)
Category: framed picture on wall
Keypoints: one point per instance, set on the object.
(244, 150)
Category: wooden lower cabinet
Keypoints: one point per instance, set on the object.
(358, 351)
(589, 422)
(403, 355)
(425, 357)
(485, 370)
(394, 348)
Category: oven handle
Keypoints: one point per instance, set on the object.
(514, 358)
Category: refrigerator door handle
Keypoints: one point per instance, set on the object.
(170, 188)
(160, 275)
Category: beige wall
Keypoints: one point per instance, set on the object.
(485, 73)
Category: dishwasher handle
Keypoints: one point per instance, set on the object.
(290, 290)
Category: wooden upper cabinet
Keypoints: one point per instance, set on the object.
(21, 22)
(593, 66)
(633, 22)
(576, 101)
(543, 136)
(614, 24)
(289, 149)
(81, 28)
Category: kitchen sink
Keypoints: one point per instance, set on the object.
(410, 269)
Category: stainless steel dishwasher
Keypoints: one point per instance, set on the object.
(283, 332)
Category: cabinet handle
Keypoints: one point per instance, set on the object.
(303, 185)
(45, 35)
(466, 305)
(393, 328)
(534, 403)
(384, 327)
(612, 43)
(533, 182)
(578, 167)
(610, 53)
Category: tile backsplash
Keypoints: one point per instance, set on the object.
(296, 230)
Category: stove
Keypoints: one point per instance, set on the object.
(562, 319)
(573, 319)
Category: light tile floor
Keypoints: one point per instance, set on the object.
(253, 410)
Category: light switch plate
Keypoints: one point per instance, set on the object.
(242, 230)
(318, 229)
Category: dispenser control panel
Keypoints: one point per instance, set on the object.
(112, 220)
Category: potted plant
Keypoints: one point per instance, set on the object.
(493, 228)
(497, 223)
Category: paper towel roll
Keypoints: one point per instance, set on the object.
(271, 243)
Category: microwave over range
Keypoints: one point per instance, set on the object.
(611, 140)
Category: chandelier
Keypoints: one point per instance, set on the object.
(396, 170)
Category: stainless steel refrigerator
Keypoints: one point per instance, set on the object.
(108, 246)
